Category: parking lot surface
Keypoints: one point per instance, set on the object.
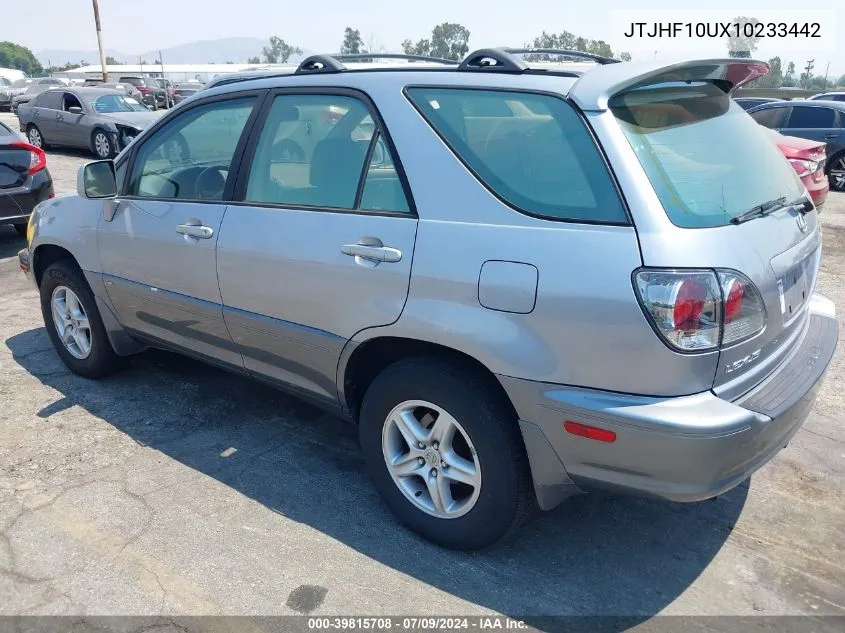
(176, 488)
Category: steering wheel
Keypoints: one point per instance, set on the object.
(210, 184)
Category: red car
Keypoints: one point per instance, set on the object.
(807, 159)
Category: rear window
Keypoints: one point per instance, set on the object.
(533, 151)
(707, 161)
(135, 81)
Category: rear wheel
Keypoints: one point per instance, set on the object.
(74, 324)
(444, 450)
(33, 135)
(836, 172)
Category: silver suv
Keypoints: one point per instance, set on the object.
(521, 281)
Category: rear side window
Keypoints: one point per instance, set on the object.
(771, 118)
(533, 151)
(51, 99)
(804, 117)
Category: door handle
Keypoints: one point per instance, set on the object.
(374, 253)
(831, 135)
(197, 230)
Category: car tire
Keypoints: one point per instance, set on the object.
(486, 437)
(61, 281)
(20, 227)
(836, 172)
(34, 136)
(102, 146)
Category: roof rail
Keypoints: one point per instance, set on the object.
(319, 64)
(349, 57)
(599, 59)
(492, 60)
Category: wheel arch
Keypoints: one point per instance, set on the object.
(46, 254)
(361, 362)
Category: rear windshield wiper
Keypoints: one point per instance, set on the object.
(802, 205)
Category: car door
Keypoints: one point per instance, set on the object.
(158, 250)
(317, 245)
(816, 123)
(69, 126)
(46, 106)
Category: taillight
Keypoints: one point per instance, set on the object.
(144, 89)
(803, 167)
(696, 311)
(745, 315)
(37, 157)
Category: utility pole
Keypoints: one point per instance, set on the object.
(167, 103)
(826, 71)
(810, 65)
(100, 40)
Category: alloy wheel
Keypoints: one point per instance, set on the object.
(836, 174)
(431, 459)
(71, 322)
(34, 137)
(102, 147)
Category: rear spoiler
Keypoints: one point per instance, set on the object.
(593, 90)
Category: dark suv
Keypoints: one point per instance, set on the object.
(153, 95)
(815, 120)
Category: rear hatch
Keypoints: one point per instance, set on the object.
(709, 164)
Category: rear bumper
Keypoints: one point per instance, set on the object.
(16, 205)
(686, 448)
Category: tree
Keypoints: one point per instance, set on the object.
(19, 57)
(841, 81)
(111, 61)
(739, 43)
(352, 42)
(570, 41)
(253, 60)
(157, 62)
(448, 40)
(789, 76)
(279, 51)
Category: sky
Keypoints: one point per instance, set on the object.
(134, 26)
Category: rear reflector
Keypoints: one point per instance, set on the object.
(590, 432)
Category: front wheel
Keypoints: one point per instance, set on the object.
(73, 322)
(102, 145)
(444, 450)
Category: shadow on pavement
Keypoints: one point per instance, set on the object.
(594, 555)
(10, 241)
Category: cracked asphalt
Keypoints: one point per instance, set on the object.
(175, 488)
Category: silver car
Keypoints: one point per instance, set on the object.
(521, 281)
(100, 119)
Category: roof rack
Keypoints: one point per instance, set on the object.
(414, 58)
(319, 64)
(492, 60)
(599, 59)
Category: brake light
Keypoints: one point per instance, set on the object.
(696, 311)
(144, 89)
(803, 167)
(37, 157)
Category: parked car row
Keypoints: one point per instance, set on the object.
(541, 307)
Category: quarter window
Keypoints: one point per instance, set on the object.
(531, 150)
(771, 118)
(190, 158)
(312, 152)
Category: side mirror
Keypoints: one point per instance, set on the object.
(75, 110)
(96, 180)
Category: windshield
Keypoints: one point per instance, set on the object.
(117, 103)
(707, 160)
